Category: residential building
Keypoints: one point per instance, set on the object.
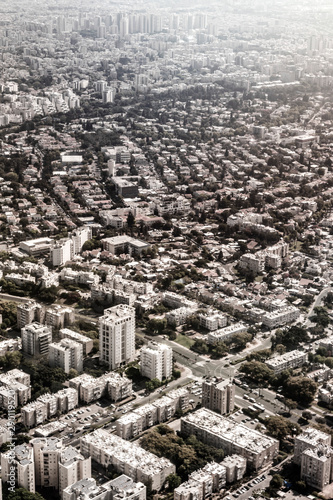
(126, 457)
(212, 320)
(226, 334)
(289, 360)
(29, 312)
(316, 466)
(21, 460)
(161, 410)
(58, 316)
(281, 317)
(112, 384)
(116, 489)
(36, 339)
(86, 342)
(233, 437)
(218, 395)
(67, 354)
(10, 345)
(309, 439)
(156, 361)
(117, 336)
(61, 252)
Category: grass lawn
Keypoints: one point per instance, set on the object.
(184, 341)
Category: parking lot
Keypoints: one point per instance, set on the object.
(246, 491)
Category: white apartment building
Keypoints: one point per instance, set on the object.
(252, 262)
(289, 360)
(22, 458)
(233, 437)
(161, 410)
(126, 457)
(218, 395)
(116, 386)
(225, 334)
(212, 320)
(179, 316)
(36, 339)
(156, 361)
(116, 489)
(281, 317)
(61, 252)
(309, 439)
(117, 336)
(30, 312)
(18, 381)
(58, 316)
(327, 343)
(235, 467)
(316, 466)
(67, 354)
(10, 345)
(46, 406)
(72, 468)
(64, 250)
(86, 342)
(174, 300)
(58, 466)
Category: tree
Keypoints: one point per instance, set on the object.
(130, 220)
(240, 340)
(307, 415)
(280, 427)
(257, 372)
(276, 482)
(173, 481)
(301, 389)
(156, 326)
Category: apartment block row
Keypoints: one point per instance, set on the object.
(17, 381)
(271, 257)
(175, 300)
(56, 316)
(112, 385)
(281, 317)
(45, 462)
(289, 360)
(87, 278)
(126, 457)
(211, 479)
(47, 405)
(116, 489)
(226, 334)
(132, 424)
(233, 437)
(64, 250)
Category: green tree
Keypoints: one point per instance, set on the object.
(280, 427)
(276, 482)
(130, 220)
(301, 389)
(156, 326)
(240, 340)
(173, 481)
(257, 372)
